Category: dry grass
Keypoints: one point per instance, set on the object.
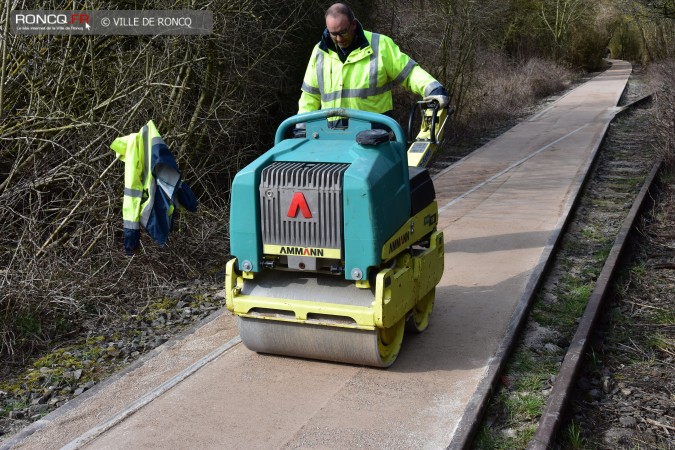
(503, 90)
(663, 84)
(214, 98)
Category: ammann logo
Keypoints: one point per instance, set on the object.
(301, 251)
(396, 243)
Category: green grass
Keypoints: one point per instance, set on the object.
(604, 203)
(497, 439)
(658, 341)
(527, 372)
(601, 255)
(594, 361)
(618, 325)
(627, 183)
(521, 361)
(591, 272)
(629, 276)
(11, 406)
(574, 302)
(592, 233)
(520, 401)
(663, 317)
(524, 406)
(573, 246)
(573, 295)
(660, 216)
(573, 437)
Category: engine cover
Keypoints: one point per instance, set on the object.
(301, 212)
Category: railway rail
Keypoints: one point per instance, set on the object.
(560, 394)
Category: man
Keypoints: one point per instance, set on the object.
(354, 68)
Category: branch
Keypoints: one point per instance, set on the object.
(74, 209)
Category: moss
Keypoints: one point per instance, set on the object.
(165, 304)
(158, 308)
(50, 369)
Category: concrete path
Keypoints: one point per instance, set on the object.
(498, 237)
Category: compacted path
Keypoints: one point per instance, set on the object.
(502, 210)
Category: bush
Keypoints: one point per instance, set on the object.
(503, 90)
(663, 84)
(216, 99)
(625, 43)
(587, 50)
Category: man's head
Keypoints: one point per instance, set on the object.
(341, 24)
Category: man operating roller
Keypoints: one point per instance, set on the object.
(354, 68)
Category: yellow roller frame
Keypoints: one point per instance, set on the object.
(397, 290)
(418, 226)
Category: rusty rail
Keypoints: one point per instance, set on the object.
(560, 393)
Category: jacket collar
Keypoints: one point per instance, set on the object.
(360, 40)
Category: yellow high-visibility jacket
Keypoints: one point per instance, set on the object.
(364, 81)
(152, 186)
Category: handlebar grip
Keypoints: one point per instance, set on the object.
(324, 114)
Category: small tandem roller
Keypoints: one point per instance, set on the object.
(335, 243)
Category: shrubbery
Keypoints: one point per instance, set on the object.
(216, 100)
(663, 75)
(504, 90)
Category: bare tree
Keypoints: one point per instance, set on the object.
(560, 16)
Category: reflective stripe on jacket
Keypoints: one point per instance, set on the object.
(152, 186)
(365, 80)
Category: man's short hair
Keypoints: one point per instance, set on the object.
(340, 9)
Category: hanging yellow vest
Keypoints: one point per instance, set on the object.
(152, 186)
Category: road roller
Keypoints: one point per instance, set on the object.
(336, 251)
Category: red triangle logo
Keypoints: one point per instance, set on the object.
(300, 203)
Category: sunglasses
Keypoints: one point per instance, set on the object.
(338, 33)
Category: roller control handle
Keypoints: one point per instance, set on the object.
(435, 107)
(324, 114)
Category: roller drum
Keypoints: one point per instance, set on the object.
(345, 345)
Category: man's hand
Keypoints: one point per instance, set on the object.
(443, 100)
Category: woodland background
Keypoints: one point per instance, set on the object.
(217, 100)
